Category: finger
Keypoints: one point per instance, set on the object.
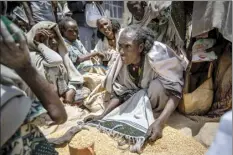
(148, 132)
(153, 137)
(19, 35)
(6, 36)
(87, 119)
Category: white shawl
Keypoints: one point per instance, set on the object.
(161, 62)
(43, 56)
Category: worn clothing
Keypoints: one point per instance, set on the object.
(208, 15)
(110, 53)
(167, 20)
(42, 11)
(28, 139)
(161, 62)
(76, 49)
(57, 68)
(87, 34)
(18, 135)
(161, 77)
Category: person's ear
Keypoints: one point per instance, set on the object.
(141, 47)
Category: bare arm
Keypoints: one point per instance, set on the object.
(155, 130)
(15, 55)
(28, 12)
(55, 5)
(169, 109)
(88, 56)
(113, 103)
(45, 93)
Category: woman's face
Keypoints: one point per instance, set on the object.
(104, 26)
(71, 31)
(136, 8)
(48, 37)
(129, 49)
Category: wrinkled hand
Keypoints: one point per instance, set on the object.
(155, 131)
(100, 55)
(92, 118)
(69, 96)
(42, 36)
(14, 54)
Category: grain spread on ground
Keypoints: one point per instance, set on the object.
(172, 143)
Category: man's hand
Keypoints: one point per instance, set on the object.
(14, 53)
(69, 96)
(155, 131)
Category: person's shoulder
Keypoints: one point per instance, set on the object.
(159, 44)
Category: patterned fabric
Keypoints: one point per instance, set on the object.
(28, 139)
(36, 110)
(76, 49)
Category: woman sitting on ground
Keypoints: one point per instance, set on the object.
(108, 31)
(50, 56)
(146, 83)
(77, 52)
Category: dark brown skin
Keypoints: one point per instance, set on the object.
(131, 54)
(136, 8)
(16, 56)
(28, 13)
(104, 25)
(50, 39)
(71, 34)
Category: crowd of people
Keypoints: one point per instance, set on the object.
(47, 52)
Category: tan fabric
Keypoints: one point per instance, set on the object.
(95, 101)
(223, 85)
(161, 62)
(109, 52)
(200, 100)
(50, 64)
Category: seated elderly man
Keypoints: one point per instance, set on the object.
(146, 85)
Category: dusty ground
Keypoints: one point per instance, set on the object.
(172, 143)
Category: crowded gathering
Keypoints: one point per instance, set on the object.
(116, 77)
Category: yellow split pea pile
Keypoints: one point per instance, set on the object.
(172, 143)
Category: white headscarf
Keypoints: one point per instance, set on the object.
(74, 76)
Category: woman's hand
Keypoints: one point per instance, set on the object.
(14, 54)
(69, 96)
(155, 131)
(92, 118)
(100, 55)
